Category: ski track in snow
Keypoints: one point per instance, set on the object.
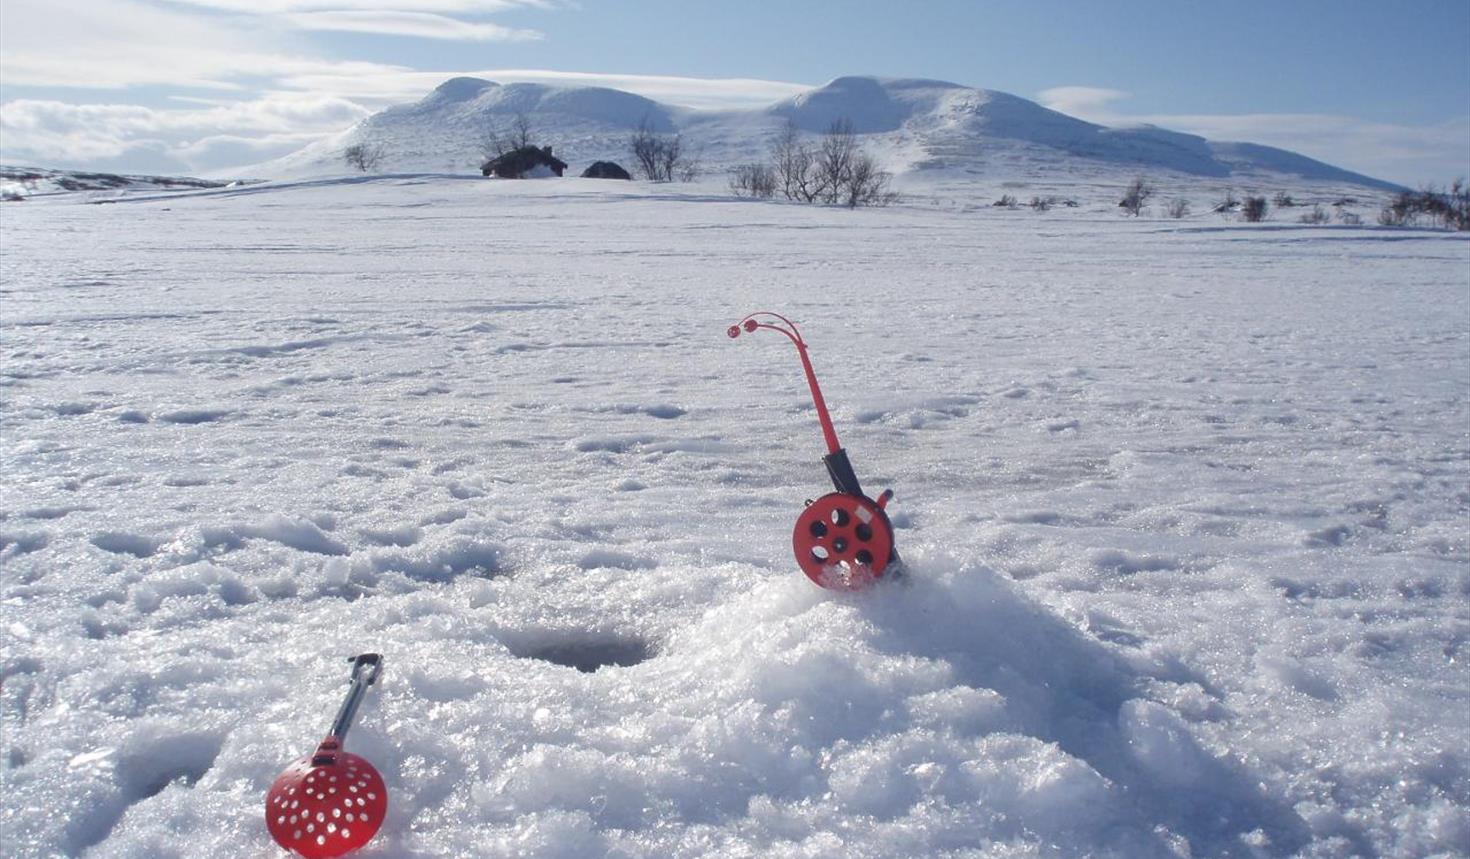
(1184, 507)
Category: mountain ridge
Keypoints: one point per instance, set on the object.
(917, 127)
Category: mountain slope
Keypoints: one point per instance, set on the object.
(916, 126)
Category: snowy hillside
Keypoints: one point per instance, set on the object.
(923, 126)
(1183, 506)
(26, 182)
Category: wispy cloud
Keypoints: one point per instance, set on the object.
(1407, 154)
(392, 86)
(273, 7)
(199, 138)
(1083, 102)
(123, 44)
(422, 24)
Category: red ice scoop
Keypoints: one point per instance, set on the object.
(330, 802)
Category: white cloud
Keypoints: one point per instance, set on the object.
(1080, 101)
(123, 43)
(422, 24)
(275, 7)
(1408, 154)
(394, 86)
(52, 133)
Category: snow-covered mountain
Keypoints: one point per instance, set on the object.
(18, 183)
(916, 126)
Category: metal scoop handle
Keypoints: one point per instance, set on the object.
(365, 670)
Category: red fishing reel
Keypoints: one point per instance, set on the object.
(843, 541)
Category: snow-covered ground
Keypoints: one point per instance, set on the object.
(1184, 506)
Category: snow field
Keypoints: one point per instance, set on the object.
(1183, 507)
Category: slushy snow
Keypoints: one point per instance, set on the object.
(1183, 506)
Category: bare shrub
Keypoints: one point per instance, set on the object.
(1448, 208)
(1254, 209)
(1228, 204)
(689, 166)
(866, 184)
(753, 180)
(1135, 196)
(363, 156)
(1282, 200)
(1352, 219)
(1006, 201)
(1042, 204)
(660, 157)
(1177, 208)
(1398, 212)
(1318, 215)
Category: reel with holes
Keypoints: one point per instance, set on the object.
(843, 540)
(330, 802)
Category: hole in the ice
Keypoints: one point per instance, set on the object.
(587, 654)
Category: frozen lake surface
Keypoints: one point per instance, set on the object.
(1185, 507)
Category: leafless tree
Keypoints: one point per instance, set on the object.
(794, 164)
(836, 155)
(501, 138)
(1006, 201)
(1229, 203)
(866, 184)
(670, 154)
(661, 157)
(363, 156)
(1135, 196)
(1177, 208)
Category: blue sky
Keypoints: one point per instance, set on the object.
(200, 85)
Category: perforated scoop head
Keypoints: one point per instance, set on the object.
(326, 804)
(843, 541)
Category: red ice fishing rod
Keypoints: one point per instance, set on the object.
(331, 802)
(844, 539)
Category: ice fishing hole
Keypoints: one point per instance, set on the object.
(588, 654)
